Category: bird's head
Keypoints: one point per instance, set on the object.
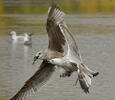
(25, 34)
(52, 61)
(39, 55)
(12, 33)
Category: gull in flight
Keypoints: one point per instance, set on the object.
(55, 50)
(72, 60)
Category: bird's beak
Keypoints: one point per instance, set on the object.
(35, 58)
(48, 61)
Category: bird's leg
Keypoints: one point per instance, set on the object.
(62, 75)
(67, 73)
(75, 82)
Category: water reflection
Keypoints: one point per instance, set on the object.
(26, 57)
(21, 51)
(16, 68)
(15, 61)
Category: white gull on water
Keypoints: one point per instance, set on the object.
(15, 37)
(57, 40)
(26, 38)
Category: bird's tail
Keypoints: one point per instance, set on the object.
(84, 80)
(84, 76)
(90, 71)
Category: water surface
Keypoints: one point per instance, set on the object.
(97, 52)
(95, 34)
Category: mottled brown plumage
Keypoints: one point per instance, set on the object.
(36, 81)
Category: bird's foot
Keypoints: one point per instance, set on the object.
(67, 73)
(95, 74)
(75, 82)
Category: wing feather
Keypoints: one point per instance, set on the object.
(56, 38)
(85, 81)
(36, 81)
(72, 45)
(59, 33)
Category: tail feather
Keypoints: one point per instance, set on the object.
(85, 81)
(84, 76)
(90, 71)
(84, 86)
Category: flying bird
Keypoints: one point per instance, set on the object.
(72, 61)
(57, 40)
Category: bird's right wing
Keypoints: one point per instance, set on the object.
(59, 34)
(36, 81)
(56, 38)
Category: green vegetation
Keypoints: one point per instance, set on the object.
(69, 6)
(29, 15)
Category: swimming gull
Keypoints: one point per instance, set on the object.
(15, 37)
(26, 38)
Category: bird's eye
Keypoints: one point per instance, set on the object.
(37, 57)
(39, 53)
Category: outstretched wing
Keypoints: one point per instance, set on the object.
(56, 38)
(36, 81)
(59, 33)
(73, 50)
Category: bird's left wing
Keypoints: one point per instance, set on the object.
(36, 81)
(73, 49)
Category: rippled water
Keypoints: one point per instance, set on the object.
(95, 35)
(97, 52)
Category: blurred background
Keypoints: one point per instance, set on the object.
(90, 16)
(93, 22)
